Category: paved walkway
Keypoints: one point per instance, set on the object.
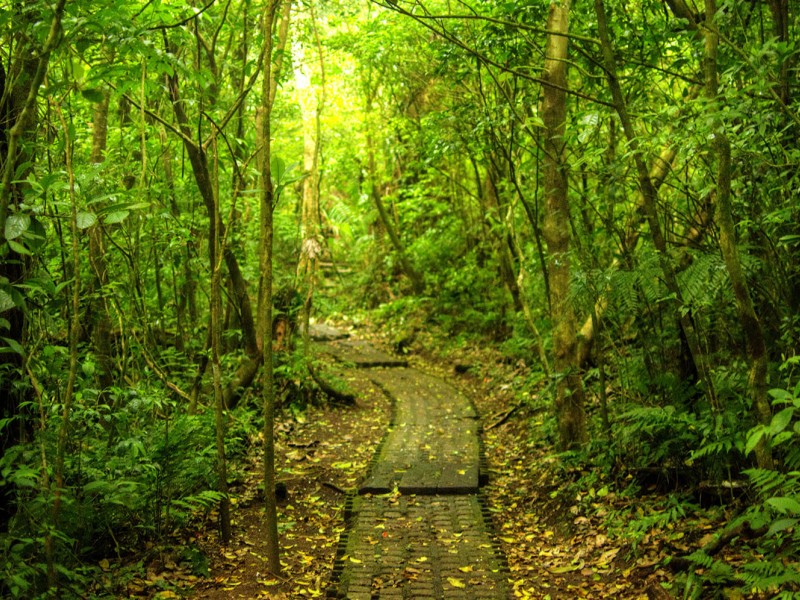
(417, 529)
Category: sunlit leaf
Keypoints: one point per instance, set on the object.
(16, 225)
(86, 219)
(456, 582)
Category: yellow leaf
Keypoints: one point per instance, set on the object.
(104, 564)
(508, 540)
(455, 582)
(422, 559)
(467, 569)
(567, 568)
(355, 560)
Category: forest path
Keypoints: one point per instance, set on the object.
(417, 528)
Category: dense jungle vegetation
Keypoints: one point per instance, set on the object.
(605, 192)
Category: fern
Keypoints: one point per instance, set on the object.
(766, 480)
(705, 282)
(771, 576)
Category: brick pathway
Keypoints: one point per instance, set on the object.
(432, 446)
(417, 530)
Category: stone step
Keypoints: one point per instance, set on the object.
(359, 353)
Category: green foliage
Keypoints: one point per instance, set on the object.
(656, 436)
(133, 473)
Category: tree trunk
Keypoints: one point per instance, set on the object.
(19, 91)
(504, 256)
(198, 159)
(312, 104)
(69, 392)
(649, 197)
(569, 387)
(265, 290)
(416, 279)
(216, 371)
(754, 336)
(101, 322)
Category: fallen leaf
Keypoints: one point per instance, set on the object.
(455, 582)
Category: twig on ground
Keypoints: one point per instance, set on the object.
(506, 415)
(334, 487)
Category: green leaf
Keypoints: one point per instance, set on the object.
(19, 248)
(781, 420)
(6, 301)
(116, 217)
(781, 396)
(35, 236)
(93, 95)
(14, 345)
(16, 225)
(86, 219)
(278, 168)
(781, 525)
(754, 437)
(784, 504)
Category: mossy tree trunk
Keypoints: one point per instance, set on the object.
(569, 386)
(751, 326)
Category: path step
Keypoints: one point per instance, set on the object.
(322, 332)
(359, 353)
(422, 398)
(420, 547)
(426, 459)
(432, 447)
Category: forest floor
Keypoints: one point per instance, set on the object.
(558, 543)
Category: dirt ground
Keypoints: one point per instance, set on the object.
(557, 546)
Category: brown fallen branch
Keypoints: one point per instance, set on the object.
(329, 390)
(506, 415)
(334, 487)
(310, 444)
(712, 548)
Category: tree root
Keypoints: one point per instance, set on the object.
(329, 390)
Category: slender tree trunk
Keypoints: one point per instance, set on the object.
(414, 276)
(69, 392)
(504, 257)
(216, 370)
(569, 386)
(650, 207)
(101, 325)
(198, 158)
(265, 291)
(312, 104)
(183, 292)
(780, 27)
(754, 335)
